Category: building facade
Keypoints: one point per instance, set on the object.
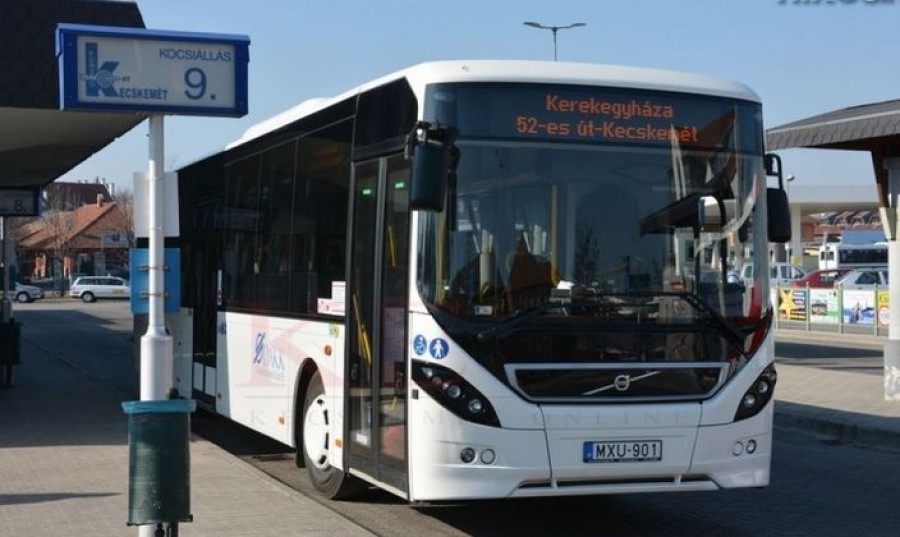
(89, 240)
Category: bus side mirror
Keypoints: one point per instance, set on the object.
(779, 215)
(779, 210)
(773, 166)
(434, 157)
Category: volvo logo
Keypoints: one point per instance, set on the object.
(622, 382)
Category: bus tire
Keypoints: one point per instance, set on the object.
(330, 481)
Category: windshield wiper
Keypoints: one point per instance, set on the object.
(570, 303)
(731, 333)
(600, 300)
(510, 324)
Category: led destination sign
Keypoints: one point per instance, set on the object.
(577, 114)
(594, 117)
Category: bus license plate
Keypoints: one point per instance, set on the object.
(623, 451)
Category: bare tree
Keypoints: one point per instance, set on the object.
(62, 226)
(21, 226)
(60, 222)
(125, 200)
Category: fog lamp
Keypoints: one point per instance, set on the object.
(467, 455)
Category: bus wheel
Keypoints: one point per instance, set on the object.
(317, 440)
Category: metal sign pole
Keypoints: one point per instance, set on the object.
(156, 343)
(6, 303)
(128, 70)
(6, 362)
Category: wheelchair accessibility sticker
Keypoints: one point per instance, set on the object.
(420, 345)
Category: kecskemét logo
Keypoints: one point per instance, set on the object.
(99, 78)
(268, 358)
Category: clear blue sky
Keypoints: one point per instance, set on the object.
(801, 59)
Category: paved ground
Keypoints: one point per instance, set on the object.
(63, 451)
(842, 402)
(64, 464)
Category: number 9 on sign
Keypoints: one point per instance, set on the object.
(195, 80)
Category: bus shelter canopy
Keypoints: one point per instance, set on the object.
(863, 127)
(37, 146)
(38, 141)
(873, 127)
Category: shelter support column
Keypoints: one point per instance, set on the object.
(796, 243)
(889, 222)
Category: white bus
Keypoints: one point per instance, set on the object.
(482, 279)
(838, 255)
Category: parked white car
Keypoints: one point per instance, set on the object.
(90, 288)
(864, 278)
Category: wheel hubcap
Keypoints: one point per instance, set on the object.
(315, 433)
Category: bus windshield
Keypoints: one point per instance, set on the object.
(549, 231)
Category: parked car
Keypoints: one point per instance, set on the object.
(90, 288)
(864, 278)
(780, 274)
(26, 293)
(820, 279)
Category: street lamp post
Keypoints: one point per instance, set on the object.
(554, 29)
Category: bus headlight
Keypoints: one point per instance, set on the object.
(758, 395)
(749, 400)
(454, 393)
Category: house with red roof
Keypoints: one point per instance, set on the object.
(90, 239)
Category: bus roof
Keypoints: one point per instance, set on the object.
(519, 71)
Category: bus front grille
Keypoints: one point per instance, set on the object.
(623, 383)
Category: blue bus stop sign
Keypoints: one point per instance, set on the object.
(105, 68)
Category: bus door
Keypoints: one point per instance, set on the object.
(204, 268)
(379, 275)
